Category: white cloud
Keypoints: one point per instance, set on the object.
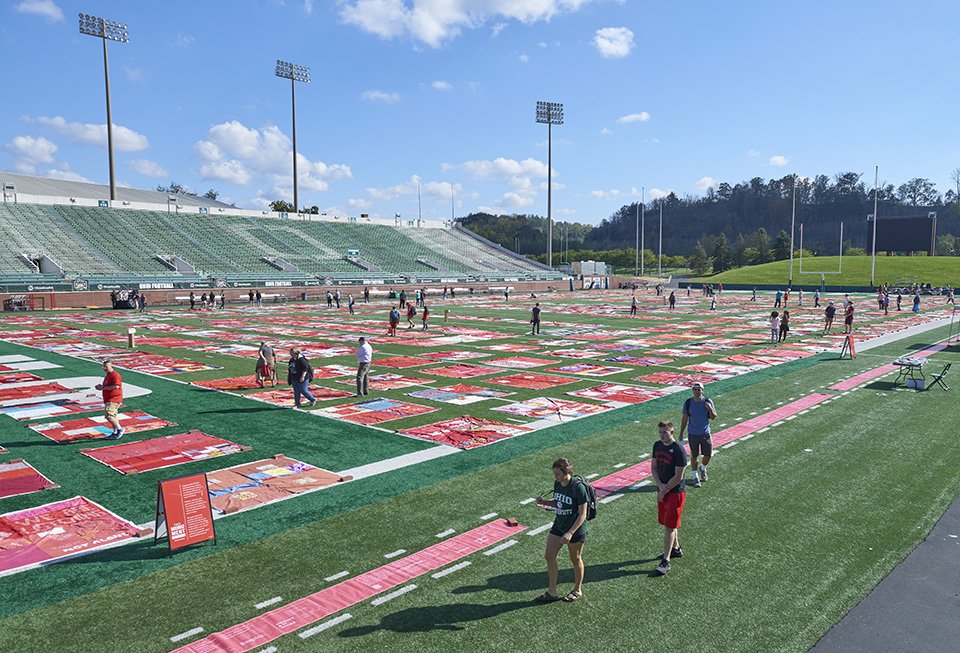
(522, 177)
(441, 85)
(360, 204)
(30, 150)
(148, 168)
(124, 139)
(63, 171)
(752, 152)
(184, 40)
(236, 154)
(606, 132)
(380, 96)
(779, 160)
(643, 116)
(439, 189)
(46, 8)
(706, 182)
(613, 42)
(659, 193)
(524, 58)
(308, 6)
(497, 28)
(435, 21)
(605, 194)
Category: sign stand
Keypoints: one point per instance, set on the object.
(848, 347)
(183, 513)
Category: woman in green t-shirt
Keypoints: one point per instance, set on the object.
(569, 527)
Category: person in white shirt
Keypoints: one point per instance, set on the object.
(364, 357)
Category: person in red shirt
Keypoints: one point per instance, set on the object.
(112, 388)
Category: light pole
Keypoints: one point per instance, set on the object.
(873, 253)
(643, 219)
(793, 218)
(294, 73)
(636, 244)
(106, 30)
(550, 113)
(660, 244)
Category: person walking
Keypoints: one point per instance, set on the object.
(411, 313)
(506, 294)
(570, 502)
(266, 365)
(299, 376)
(426, 317)
(633, 306)
(816, 298)
(800, 297)
(778, 299)
(673, 300)
(394, 321)
(336, 297)
(193, 301)
(899, 299)
(364, 358)
(753, 297)
(142, 303)
(828, 314)
(774, 326)
(667, 464)
(916, 302)
(784, 326)
(403, 298)
(350, 303)
(223, 300)
(258, 299)
(535, 320)
(250, 295)
(886, 303)
(329, 299)
(698, 411)
(112, 389)
(366, 295)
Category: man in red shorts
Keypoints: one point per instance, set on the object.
(112, 388)
(667, 465)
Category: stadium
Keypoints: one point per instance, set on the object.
(198, 453)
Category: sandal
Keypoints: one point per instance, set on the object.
(573, 596)
(547, 597)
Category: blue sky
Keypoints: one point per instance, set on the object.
(667, 96)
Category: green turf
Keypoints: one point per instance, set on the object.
(783, 526)
(902, 270)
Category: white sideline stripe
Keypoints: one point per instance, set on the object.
(637, 486)
(399, 462)
(787, 419)
(339, 574)
(526, 501)
(776, 424)
(591, 476)
(310, 632)
(450, 570)
(804, 412)
(392, 595)
(263, 604)
(748, 436)
(490, 515)
(612, 497)
(447, 532)
(394, 554)
(764, 429)
(619, 465)
(500, 547)
(189, 633)
(540, 529)
(644, 455)
(270, 649)
(731, 444)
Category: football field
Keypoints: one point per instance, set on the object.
(380, 520)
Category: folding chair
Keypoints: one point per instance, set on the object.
(938, 378)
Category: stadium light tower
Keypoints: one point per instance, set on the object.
(550, 114)
(294, 73)
(106, 30)
(873, 252)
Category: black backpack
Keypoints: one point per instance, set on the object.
(309, 371)
(591, 497)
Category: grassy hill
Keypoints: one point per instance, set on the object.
(937, 270)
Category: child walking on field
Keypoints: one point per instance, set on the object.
(774, 326)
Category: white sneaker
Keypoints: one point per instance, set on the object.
(703, 473)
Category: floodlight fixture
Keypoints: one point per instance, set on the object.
(106, 30)
(550, 114)
(295, 73)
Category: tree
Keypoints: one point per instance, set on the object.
(699, 262)
(211, 194)
(175, 189)
(947, 245)
(721, 254)
(282, 207)
(781, 248)
(760, 241)
(918, 192)
(738, 253)
(955, 177)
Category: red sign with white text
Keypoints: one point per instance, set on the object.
(183, 511)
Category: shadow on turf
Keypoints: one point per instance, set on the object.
(448, 617)
(235, 411)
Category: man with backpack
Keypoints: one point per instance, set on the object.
(698, 411)
(666, 467)
(299, 376)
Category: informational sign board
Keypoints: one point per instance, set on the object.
(183, 511)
